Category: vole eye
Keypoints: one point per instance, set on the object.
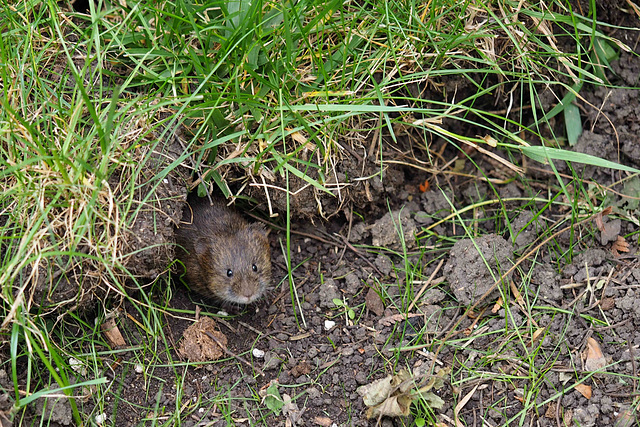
(254, 268)
(229, 273)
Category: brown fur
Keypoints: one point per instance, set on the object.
(215, 240)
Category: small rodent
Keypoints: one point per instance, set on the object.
(224, 256)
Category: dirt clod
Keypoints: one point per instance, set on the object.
(392, 227)
(468, 270)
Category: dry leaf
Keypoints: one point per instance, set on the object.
(565, 377)
(551, 410)
(516, 293)
(302, 368)
(598, 218)
(394, 406)
(374, 393)
(392, 395)
(497, 306)
(461, 404)
(607, 303)
(620, 245)
(584, 390)
(594, 360)
(323, 421)
(291, 410)
(536, 335)
(201, 341)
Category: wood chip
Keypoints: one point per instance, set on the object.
(112, 333)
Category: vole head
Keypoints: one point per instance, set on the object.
(238, 264)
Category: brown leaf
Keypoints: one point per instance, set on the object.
(197, 344)
(594, 360)
(497, 306)
(536, 335)
(584, 390)
(620, 245)
(323, 421)
(394, 406)
(392, 395)
(516, 293)
(551, 411)
(598, 220)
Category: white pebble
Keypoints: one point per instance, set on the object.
(101, 418)
(77, 366)
(257, 353)
(328, 324)
(138, 367)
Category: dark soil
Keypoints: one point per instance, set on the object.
(321, 368)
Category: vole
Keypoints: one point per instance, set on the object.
(225, 257)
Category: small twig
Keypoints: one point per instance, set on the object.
(355, 251)
(633, 364)
(424, 287)
(320, 239)
(615, 325)
(251, 328)
(230, 353)
(344, 248)
(300, 233)
(558, 404)
(451, 322)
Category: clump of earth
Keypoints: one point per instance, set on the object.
(474, 266)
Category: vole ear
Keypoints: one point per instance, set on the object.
(260, 228)
(200, 247)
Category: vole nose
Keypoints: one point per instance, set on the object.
(247, 293)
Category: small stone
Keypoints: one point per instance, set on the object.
(329, 324)
(328, 292)
(271, 361)
(77, 366)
